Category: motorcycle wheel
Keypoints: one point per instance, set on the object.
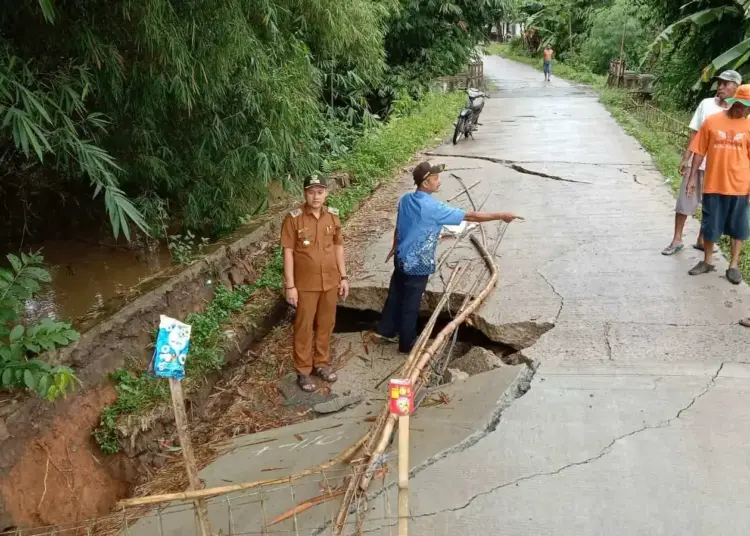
(459, 130)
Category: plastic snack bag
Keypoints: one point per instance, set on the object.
(170, 353)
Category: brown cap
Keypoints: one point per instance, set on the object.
(424, 170)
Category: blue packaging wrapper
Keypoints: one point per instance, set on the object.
(170, 353)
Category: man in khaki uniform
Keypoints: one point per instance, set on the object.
(314, 277)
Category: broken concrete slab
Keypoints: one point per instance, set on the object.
(455, 375)
(476, 361)
(473, 409)
(630, 435)
(337, 404)
(366, 365)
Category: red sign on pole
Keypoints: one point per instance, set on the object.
(401, 397)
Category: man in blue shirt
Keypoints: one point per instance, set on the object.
(420, 219)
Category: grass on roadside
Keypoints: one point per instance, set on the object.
(664, 153)
(374, 159)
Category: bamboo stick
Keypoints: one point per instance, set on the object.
(383, 427)
(416, 369)
(378, 427)
(474, 205)
(403, 476)
(221, 490)
(191, 467)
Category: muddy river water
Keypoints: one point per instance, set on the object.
(86, 275)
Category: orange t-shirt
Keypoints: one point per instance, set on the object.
(725, 142)
(548, 54)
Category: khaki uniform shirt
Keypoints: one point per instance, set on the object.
(312, 240)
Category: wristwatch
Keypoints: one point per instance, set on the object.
(345, 278)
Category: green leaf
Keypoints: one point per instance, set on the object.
(33, 347)
(40, 274)
(28, 379)
(29, 284)
(46, 343)
(16, 333)
(733, 54)
(17, 353)
(59, 339)
(48, 9)
(43, 386)
(15, 262)
(72, 334)
(7, 377)
(6, 275)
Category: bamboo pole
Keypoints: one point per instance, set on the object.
(377, 429)
(431, 351)
(403, 475)
(178, 404)
(221, 490)
(384, 425)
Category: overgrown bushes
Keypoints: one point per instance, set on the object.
(192, 107)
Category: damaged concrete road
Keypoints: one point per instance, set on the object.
(636, 420)
(587, 259)
(653, 449)
(470, 411)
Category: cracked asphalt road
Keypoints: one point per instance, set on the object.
(636, 422)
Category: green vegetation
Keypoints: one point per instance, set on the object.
(377, 153)
(20, 342)
(192, 108)
(185, 248)
(372, 160)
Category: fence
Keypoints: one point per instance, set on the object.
(476, 74)
(305, 506)
(676, 132)
(472, 77)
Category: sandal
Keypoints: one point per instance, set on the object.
(671, 249)
(325, 374)
(700, 247)
(305, 383)
(734, 276)
(702, 268)
(382, 338)
(745, 322)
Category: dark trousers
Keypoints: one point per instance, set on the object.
(401, 311)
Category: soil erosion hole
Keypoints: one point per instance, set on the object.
(356, 320)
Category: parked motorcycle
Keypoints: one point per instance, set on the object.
(468, 119)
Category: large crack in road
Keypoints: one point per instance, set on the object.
(591, 459)
(511, 165)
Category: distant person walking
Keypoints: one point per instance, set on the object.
(727, 83)
(547, 68)
(724, 141)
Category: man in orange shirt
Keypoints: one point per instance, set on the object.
(314, 277)
(724, 140)
(547, 68)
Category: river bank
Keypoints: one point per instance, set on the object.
(249, 271)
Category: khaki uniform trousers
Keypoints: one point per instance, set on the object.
(313, 325)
